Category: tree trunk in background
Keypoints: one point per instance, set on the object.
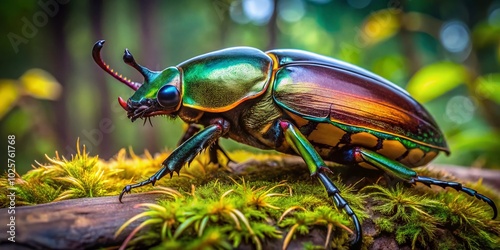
(105, 147)
(61, 66)
(272, 27)
(222, 12)
(149, 35)
(407, 38)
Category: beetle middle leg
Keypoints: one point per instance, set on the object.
(399, 171)
(317, 168)
(185, 153)
(212, 151)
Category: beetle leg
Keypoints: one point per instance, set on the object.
(185, 153)
(212, 151)
(400, 171)
(190, 132)
(318, 169)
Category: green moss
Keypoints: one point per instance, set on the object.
(206, 208)
(418, 218)
(60, 179)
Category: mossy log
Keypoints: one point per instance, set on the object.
(90, 223)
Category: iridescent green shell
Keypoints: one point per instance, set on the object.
(219, 81)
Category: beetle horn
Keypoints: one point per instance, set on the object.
(96, 54)
(128, 58)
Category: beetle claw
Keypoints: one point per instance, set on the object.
(126, 189)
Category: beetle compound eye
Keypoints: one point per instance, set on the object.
(168, 96)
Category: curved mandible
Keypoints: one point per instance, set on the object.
(96, 54)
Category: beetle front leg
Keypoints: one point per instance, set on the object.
(185, 153)
(401, 172)
(212, 151)
(317, 168)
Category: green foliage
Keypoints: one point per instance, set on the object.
(436, 79)
(488, 87)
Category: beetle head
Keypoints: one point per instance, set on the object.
(158, 95)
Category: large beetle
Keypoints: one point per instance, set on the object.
(292, 101)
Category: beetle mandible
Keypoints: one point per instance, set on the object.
(292, 101)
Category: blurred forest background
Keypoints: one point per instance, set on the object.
(445, 53)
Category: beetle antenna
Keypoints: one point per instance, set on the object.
(128, 58)
(96, 54)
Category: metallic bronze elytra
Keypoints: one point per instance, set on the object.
(295, 102)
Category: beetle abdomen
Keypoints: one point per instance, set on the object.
(360, 107)
(329, 138)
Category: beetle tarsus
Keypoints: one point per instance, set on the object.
(479, 196)
(341, 203)
(402, 172)
(126, 189)
(457, 186)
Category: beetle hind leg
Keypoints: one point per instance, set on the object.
(399, 171)
(318, 169)
(459, 187)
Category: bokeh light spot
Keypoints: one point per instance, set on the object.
(460, 109)
(494, 17)
(292, 10)
(454, 36)
(258, 11)
(236, 13)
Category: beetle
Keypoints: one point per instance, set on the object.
(294, 102)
